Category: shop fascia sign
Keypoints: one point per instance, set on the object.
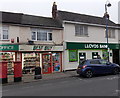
(38, 47)
(8, 47)
(95, 46)
(75, 45)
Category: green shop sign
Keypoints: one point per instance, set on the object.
(9, 47)
(74, 45)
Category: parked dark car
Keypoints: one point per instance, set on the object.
(91, 67)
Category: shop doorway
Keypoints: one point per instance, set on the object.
(116, 56)
(46, 63)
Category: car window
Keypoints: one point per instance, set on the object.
(94, 62)
(103, 62)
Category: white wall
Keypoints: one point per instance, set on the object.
(24, 33)
(119, 12)
(95, 34)
(13, 34)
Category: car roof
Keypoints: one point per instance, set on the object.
(93, 59)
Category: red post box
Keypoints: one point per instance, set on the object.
(3, 72)
(17, 71)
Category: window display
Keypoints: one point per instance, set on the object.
(31, 60)
(73, 56)
(8, 57)
(56, 62)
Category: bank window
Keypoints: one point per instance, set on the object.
(81, 30)
(73, 55)
(111, 33)
(41, 35)
(4, 33)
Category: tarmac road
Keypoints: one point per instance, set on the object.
(70, 86)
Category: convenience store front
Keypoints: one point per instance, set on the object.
(10, 63)
(48, 57)
(76, 52)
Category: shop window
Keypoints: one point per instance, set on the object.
(8, 57)
(73, 55)
(30, 61)
(105, 54)
(56, 62)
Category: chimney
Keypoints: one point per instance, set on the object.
(54, 10)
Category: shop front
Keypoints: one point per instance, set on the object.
(48, 57)
(10, 63)
(75, 53)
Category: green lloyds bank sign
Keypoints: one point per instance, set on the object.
(75, 45)
(9, 47)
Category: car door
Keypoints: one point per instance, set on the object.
(106, 66)
(96, 66)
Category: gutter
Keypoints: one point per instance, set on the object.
(97, 25)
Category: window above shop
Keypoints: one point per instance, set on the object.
(111, 33)
(41, 34)
(4, 33)
(81, 30)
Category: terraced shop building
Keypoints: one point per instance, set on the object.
(84, 37)
(28, 41)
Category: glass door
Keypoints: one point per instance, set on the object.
(46, 63)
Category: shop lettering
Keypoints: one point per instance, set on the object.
(95, 46)
(103, 46)
(42, 47)
(48, 48)
(6, 47)
(37, 47)
(91, 46)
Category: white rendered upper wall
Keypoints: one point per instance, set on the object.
(119, 21)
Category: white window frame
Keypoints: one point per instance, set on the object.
(36, 30)
(48, 36)
(6, 28)
(111, 33)
(84, 29)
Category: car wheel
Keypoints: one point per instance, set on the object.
(88, 74)
(115, 71)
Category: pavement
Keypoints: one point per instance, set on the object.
(30, 77)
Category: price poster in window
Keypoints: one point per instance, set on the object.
(73, 55)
